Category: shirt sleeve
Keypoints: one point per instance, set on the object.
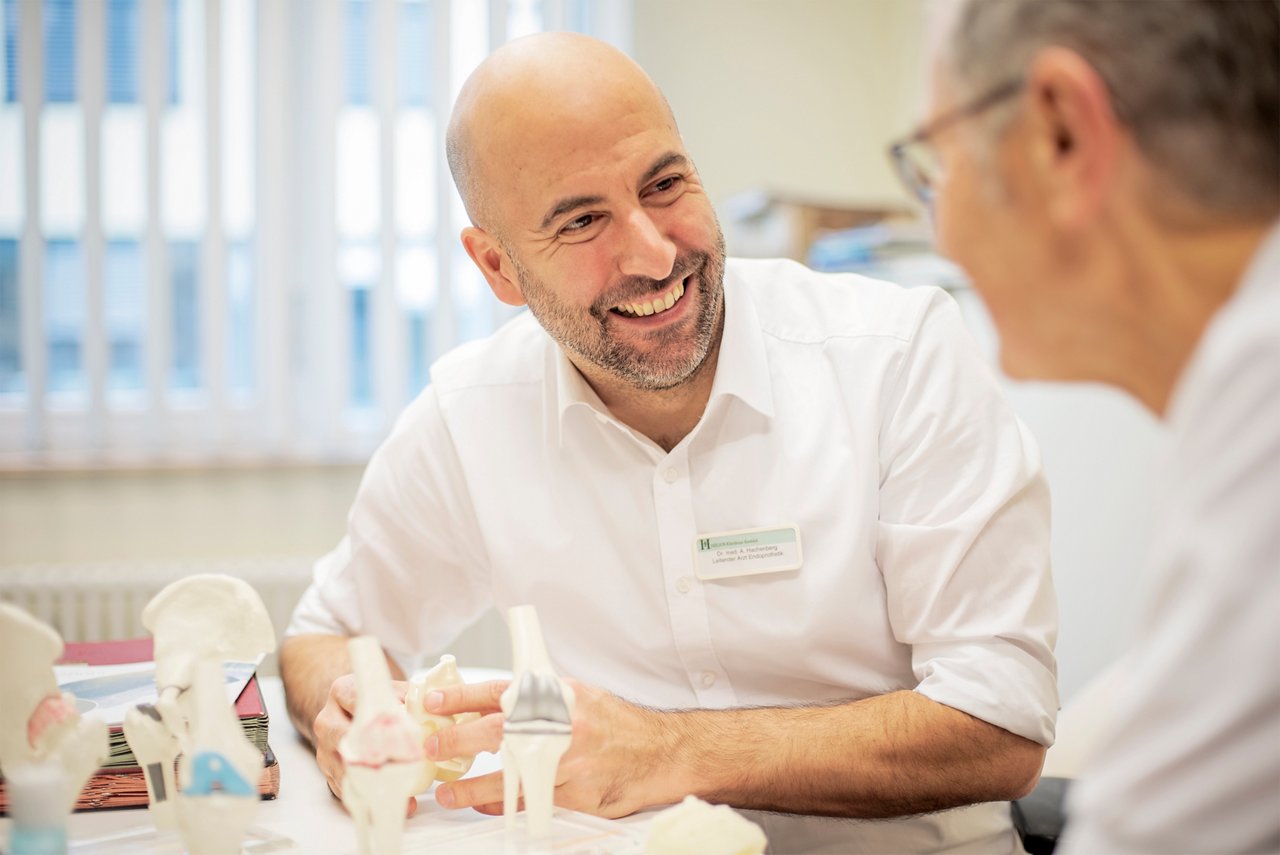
(410, 570)
(963, 534)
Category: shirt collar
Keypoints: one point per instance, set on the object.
(742, 368)
(1259, 275)
(1261, 270)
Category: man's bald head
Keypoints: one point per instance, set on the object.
(533, 91)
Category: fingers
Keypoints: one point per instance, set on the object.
(482, 790)
(342, 692)
(468, 697)
(331, 767)
(466, 739)
(331, 723)
(495, 809)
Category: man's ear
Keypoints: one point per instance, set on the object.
(1076, 139)
(491, 258)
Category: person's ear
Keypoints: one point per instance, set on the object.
(1076, 139)
(487, 253)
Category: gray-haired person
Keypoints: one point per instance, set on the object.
(1109, 175)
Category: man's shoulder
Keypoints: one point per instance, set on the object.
(803, 305)
(512, 355)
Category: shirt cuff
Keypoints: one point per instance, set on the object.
(998, 681)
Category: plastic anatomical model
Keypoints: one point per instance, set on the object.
(538, 711)
(219, 770)
(38, 723)
(694, 827)
(382, 754)
(155, 748)
(444, 673)
(198, 623)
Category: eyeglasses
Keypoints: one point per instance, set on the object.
(915, 160)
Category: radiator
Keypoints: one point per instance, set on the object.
(103, 601)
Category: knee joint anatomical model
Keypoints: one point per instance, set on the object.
(383, 760)
(382, 753)
(538, 725)
(38, 723)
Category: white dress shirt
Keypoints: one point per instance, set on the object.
(859, 411)
(1192, 762)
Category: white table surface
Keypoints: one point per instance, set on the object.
(305, 811)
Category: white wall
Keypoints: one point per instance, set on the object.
(797, 96)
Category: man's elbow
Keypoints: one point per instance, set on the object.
(1019, 768)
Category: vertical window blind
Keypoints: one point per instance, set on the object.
(227, 229)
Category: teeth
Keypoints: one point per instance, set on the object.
(656, 306)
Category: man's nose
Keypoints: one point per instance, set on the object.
(646, 250)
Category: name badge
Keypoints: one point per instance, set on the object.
(747, 552)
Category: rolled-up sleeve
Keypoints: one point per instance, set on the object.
(409, 571)
(963, 535)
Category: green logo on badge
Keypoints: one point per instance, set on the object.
(704, 544)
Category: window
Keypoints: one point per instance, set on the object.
(10, 329)
(126, 316)
(64, 315)
(219, 269)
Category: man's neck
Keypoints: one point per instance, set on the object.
(1179, 279)
(665, 416)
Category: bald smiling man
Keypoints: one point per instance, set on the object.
(780, 527)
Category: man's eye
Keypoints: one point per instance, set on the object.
(667, 184)
(577, 225)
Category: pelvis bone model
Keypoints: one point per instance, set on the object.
(198, 623)
(38, 723)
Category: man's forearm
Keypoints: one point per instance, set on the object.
(892, 755)
(308, 666)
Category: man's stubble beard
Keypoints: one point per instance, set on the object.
(589, 337)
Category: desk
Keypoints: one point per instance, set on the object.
(305, 811)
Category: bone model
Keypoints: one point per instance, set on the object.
(198, 623)
(538, 711)
(38, 723)
(445, 673)
(694, 827)
(384, 762)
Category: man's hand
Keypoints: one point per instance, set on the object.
(332, 723)
(615, 764)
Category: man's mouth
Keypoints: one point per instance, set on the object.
(654, 306)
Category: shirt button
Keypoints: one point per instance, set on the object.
(683, 584)
(670, 475)
(708, 679)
